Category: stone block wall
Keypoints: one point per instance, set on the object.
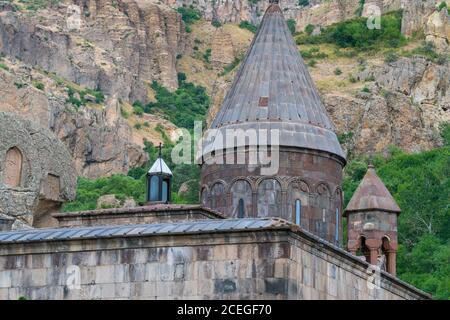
(246, 265)
(164, 213)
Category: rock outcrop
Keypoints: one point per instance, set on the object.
(113, 46)
(404, 107)
(415, 14)
(437, 30)
(317, 12)
(36, 172)
(222, 50)
(429, 17)
(98, 138)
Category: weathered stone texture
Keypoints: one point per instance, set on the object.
(99, 139)
(253, 265)
(160, 213)
(39, 178)
(113, 46)
(312, 176)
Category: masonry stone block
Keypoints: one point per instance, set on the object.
(166, 272)
(137, 272)
(151, 272)
(122, 290)
(4, 293)
(104, 274)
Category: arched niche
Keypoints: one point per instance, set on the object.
(218, 197)
(13, 170)
(269, 198)
(241, 199)
(362, 249)
(204, 195)
(298, 193)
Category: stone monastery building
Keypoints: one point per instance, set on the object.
(254, 235)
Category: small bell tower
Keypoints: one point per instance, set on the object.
(159, 181)
(372, 223)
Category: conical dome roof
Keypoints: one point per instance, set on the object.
(273, 90)
(372, 194)
(160, 166)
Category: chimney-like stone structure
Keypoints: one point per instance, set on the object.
(372, 223)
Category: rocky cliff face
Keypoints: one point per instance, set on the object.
(423, 16)
(317, 12)
(113, 46)
(98, 138)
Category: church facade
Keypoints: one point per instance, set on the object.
(254, 235)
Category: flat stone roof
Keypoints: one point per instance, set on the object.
(148, 209)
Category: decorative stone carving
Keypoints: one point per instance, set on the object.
(323, 189)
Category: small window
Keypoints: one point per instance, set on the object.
(154, 188)
(165, 191)
(241, 209)
(298, 211)
(336, 236)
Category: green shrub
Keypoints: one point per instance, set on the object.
(249, 26)
(355, 34)
(428, 51)
(442, 5)
(124, 113)
(313, 53)
(390, 57)
(337, 71)
(183, 106)
(189, 14)
(360, 8)
(99, 97)
(38, 85)
(366, 90)
(216, 23)
(88, 191)
(309, 29)
(181, 77)
(4, 66)
(312, 63)
(352, 79)
(292, 25)
(34, 5)
(207, 55)
(138, 111)
(345, 137)
(20, 85)
(138, 126)
(231, 66)
(303, 3)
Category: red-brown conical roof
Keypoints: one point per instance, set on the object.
(273, 90)
(372, 194)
